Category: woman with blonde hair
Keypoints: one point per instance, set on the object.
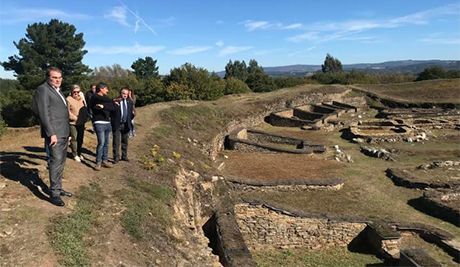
(78, 116)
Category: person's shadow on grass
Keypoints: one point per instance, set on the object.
(14, 166)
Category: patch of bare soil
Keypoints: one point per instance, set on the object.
(279, 166)
(26, 216)
(25, 211)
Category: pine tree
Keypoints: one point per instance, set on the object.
(237, 70)
(145, 68)
(331, 64)
(48, 44)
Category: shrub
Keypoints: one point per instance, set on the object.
(235, 86)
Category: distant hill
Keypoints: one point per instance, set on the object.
(399, 66)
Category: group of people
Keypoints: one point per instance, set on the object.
(61, 118)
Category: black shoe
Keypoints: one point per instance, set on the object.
(66, 194)
(125, 159)
(115, 161)
(57, 201)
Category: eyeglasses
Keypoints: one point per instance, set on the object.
(75, 92)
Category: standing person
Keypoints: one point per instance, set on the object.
(101, 107)
(90, 93)
(51, 107)
(121, 126)
(88, 97)
(132, 96)
(78, 115)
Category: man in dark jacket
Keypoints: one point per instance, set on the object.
(51, 107)
(121, 125)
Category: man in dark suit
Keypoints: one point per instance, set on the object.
(51, 107)
(121, 126)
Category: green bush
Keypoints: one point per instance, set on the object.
(2, 126)
(16, 108)
(284, 82)
(150, 91)
(437, 72)
(355, 77)
(235, 86)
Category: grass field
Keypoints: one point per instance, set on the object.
(430, 91)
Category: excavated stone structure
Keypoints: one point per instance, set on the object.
(314, 115)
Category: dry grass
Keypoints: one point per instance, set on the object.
(431, 91)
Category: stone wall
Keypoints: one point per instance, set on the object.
(263, 228)
(217, 144)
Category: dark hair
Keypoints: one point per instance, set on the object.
(50, 69)
(124, 88)
(100, 85)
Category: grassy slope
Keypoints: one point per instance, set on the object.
(430, 91)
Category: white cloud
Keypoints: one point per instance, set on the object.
(252, 25)
(188, 50)
(293, 26)
(140, 20)
(219, 43)
(118, 14)
(440, 40)
(311, 36)
(256, 25)
(227, 50)
(11, 16)
(128, 50)
(326, 31)
(423, 17)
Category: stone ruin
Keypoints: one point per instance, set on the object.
(310, 116)
(441, 196)
(251, 140)
(443, 204)
(404, 124)
(262, 226)
(380, 153)
(286, 184)
(380, 130)
(433, 118)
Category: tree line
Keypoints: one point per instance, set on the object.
(58, 44)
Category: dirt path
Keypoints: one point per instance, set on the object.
(26, 214)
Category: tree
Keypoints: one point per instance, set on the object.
(200, 84)
(431, 73)
(331, 64)
(257, 79)
(237, 69)
(52, 44)
(235, 86)
(145, 68)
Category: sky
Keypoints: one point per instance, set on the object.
(209, 33)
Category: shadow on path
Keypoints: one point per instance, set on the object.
(14, 166)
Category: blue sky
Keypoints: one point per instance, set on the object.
(208, 33)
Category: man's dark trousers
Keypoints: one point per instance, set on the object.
(58, 156)
(120, 137)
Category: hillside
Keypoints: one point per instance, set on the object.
(157, 209)
(401, 66)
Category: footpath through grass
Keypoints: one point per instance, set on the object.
(67, 232)
(146, 208)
